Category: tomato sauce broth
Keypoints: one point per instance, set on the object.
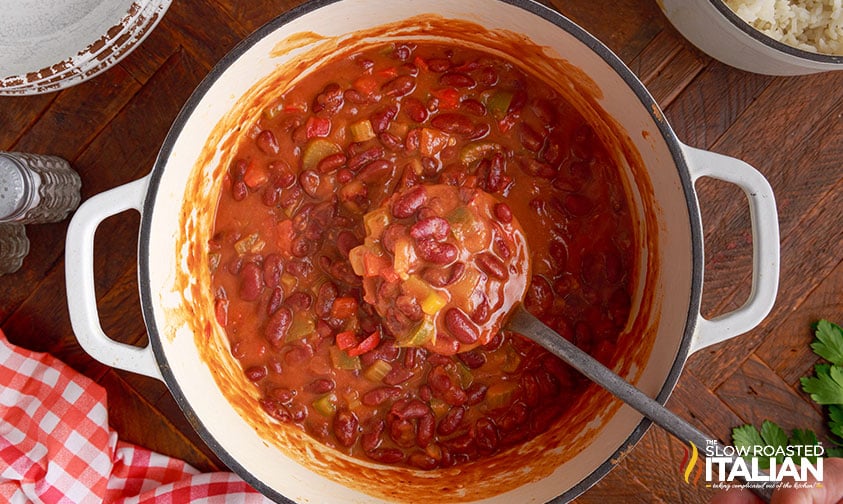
(335, 146)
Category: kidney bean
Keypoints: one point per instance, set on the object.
(438, 64)
(409, 202)
(435, 228)
(463, 444)
(437, 252)
(457, 79)
(354, 96)
(276, 298)
(267, 142)
(391, 141)
(325, 297)
(331, 163)
(452, 122)
(451, 421)
(539, 298)
(442, 277)
(381, 118)
(251, 282)
(330, 100)
(422, 461)
(481, 313)
(346, 240)
(530, 138)
(281, 394)
(346, 427)
(473, 359)
(298, 354)
(402, 432)
(536, 168)
(255, 373)
(399, 86)
(558, 251)
(415, 109)
(276, 410)
(519, 99)
(530, 389)
(221, 311)
(404, 52)
(320, 386)
(298, 268)
(425, 429)
(486, 435)
(476, 393)
(460, 326)
(367, 156)
(397, 376)
(377, 170)
(515, 417)
(372, 434)
(277, 326)
(378, 396)
(492, 173)
(239, 190)
(480, 131)
(491, 265)
(299, 301)
(473, 106)
(409, 306)
(386, 455)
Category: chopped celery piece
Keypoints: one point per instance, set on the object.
(302, 326)
(250, 244)
(465, 375)
(439, 407)
(425, 332)
(326, 405)
(375, 222)
(500, 394)
(498, 103)
(355, 257)
(433, 302)
(341, 360)
(477, 151)
(361, 131)
(377, 371)
(316, 150)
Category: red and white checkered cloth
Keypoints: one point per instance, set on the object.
(56, 446)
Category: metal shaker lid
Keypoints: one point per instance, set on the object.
(15, 188)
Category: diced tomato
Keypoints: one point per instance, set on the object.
(373, 264)
(419, 62)
(388, 72)
(346, 340)
(317, 127)
(255, 176)
(343, 308)
(366, 84)
(367, 345)
(449, 98)
(285, 235)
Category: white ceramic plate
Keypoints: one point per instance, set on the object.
(50, 45)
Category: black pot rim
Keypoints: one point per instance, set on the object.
(646, 101)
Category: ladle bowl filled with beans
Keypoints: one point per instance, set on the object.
(352, 201)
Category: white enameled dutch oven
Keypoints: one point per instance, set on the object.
(177, 201)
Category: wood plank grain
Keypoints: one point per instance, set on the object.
(626, 28)
(146, 427)
(787, 347)
(757, 394)
(18, 114)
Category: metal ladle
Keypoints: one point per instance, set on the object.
(526, 324)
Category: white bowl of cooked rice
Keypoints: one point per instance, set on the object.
(774, 37)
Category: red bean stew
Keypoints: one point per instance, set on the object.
(442, 265)
(368, 133)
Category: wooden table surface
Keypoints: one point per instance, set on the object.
(110, 129)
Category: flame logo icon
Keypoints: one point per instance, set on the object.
(689, 463)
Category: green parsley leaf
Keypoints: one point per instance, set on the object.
(746, 435)
(835, 420)
(829, 342)
(825, 388)
(804, 437)
(834, 451)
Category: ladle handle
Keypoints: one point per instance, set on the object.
(526, 324)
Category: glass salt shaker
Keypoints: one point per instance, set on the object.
(36, 188)
(14, 245)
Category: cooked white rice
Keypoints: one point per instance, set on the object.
(812, 25)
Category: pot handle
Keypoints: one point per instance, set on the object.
(765, 246)
(79, 273)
